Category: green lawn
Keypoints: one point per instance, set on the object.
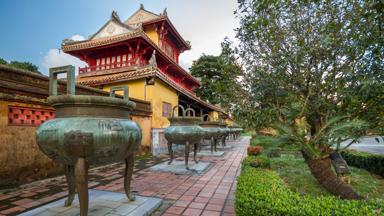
(248, 133)
(294, 171)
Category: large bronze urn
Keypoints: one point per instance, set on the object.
(88, 130)
(212, 131)
(224, 133)
(184, 130)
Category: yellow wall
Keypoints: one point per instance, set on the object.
(20, 158)
(162, 93)
(156, 94)
(145, 124)
(152, 34)
(136, 88)
(229, 122)
(214, 116)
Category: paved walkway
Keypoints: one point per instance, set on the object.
(211, 193)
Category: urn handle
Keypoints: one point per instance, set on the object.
(188, 111)
(182, 110)
(208, 117)
(113, 90)
(53, 72)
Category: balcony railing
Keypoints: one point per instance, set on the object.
(114, 65)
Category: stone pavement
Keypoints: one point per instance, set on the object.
(210, 193)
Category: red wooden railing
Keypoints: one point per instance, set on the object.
(109, 66)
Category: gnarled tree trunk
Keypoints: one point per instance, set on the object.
(321, 169)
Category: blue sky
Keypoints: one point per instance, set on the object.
(33, 30)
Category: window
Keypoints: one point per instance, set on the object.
(167, 107)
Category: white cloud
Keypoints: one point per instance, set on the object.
(56, 58)
(204, 23)
(185, 65)
(77, 37)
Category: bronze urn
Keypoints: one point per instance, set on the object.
(88, 130)
(185, 130)
(224, 133)
(212, 130)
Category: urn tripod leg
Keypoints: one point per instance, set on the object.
(170, 151)
(186, 154)
(215, 144)
(196, 146)
(129, 164)
(70, 176)
(81, 175)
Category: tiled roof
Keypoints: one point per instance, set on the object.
(142, 73)
(111, 78)
(165, 18)
(85, 44)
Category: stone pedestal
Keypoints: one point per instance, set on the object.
(103, 203)
(207, 153)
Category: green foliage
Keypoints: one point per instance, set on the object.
(3, 62)
(262, 192)
(292, 168)
(273, 153)
(21, 65)
(261, 162)
(219, 76)
(25, 66)
(334, 131)
(251, 133)
(312, 59)
(256, 162)
(371, 162)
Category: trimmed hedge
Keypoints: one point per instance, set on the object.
(374, 163)
(263, 192)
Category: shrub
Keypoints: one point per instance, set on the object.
(273, 153)
(261, 162)
(372, 162)
(263, 192)
(254, 150)
(256, 162)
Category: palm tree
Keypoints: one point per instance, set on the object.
(316, 148)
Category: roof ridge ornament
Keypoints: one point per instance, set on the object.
(165, 12)
(115, 16)
(67, 41)
(142, 7)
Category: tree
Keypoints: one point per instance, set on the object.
(22, 65)
(314, 71)
(25, 66)
(219, 76)
(3, 62)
